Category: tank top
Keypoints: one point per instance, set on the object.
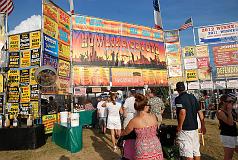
(226, 129)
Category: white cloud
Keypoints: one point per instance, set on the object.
(30, 24)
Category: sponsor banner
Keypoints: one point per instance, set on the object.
(35, 39)
(35, 57)
(193, 85)
(172, 48)
(91, 76)
(220, 85)
(203, 62)
(50, 27)
(190, 63)
(25, 108)
(110, 50)
(13, 94)
(14, 43)
(13, 109)
(202, 51)
(63, 85)
(32, 76)
(48, 121)
(204, 74)
(188, 51)
(92, 24)
(34, 92)
(173, 58)
(14, 60)
(96, 90)
(225, 55)
(25, 94)
(191, 75)
(64, 68)
(206, 85)
(227, 71)
(64, 51)
(50, 61)
(232, 84)
(64, 18)
(127, 77)
(1, 103)
(218, 33)
(24, 41)
(175, 71)
(50, 46)
(13, 77)
(24, 77)
(171, 36)
(64, 34)
(1, 83)
(25, 60)
(50, 10)
(35, 109)
(79, 91)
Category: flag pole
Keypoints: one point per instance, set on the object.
(194, 38)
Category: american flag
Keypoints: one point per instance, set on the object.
(187, 24)
(157, 15)
(6, 6)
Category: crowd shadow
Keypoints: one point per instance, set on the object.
(64, 158)
(207, 157)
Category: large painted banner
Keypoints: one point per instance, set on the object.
(111, 50)
(218, 33)
(226, 55)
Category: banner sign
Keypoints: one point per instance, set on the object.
(127, 77)
(206, 85)
(64, 68)
(171, 36)
(32, 76)
(24, 41)
(13, 94)
(64, 18)
(154, 77)
(232, 84)
(110, 50)
(1, 103)
(203, 62)
(14, 60)
(193, 85)
(50, 61)
(14, 43)
(48, 121)
(24, 77)
(220, 85)
(50, 27)
(204, 74)
(91, 76)
(25, 58)
(202, 51)
(175, 70)
(190, 63)
(64, 34)
(64, 51)
(13, 109)
(25, 94)
(191, 75)
(35, 39)
(24, 108)
(79, 91)
(50, 10)
(173, 58)
(226, 54)
(218, 33)
(35, 57)
(34, 92)
(172, 47)
(63, 85)
(227, 71)
(50, 46)
(13, 77)
(188, 51)
(1, 83)
(35, 109)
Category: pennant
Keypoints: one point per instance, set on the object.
(157, 15)
(187, 24)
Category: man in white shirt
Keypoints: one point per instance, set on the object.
(102, 114)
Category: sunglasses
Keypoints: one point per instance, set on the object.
(229, 101)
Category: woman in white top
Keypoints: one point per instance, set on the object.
(113, 120)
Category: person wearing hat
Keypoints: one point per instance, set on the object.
(187, 109)
(227, 124)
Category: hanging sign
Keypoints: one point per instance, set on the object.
(191, 75)
(25, 58)
(14, 60)
(24, 77)
(24, 41)
(35, 57)
(14, 43)
(35, 39)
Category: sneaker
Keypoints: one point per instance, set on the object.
(115, 148)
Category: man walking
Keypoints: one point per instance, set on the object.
(187, 109)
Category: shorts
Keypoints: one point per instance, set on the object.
(102, 121)
(189, 144)
(113, 123)
(229, 141)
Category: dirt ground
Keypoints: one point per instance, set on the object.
(98, 147)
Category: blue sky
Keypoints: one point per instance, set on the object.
(174, 12)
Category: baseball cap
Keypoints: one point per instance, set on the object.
(233, 96)
(180, 86)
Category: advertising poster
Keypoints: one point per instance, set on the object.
(50, 45)
(173, 58)
(204, 74)
(172, 48)
(193, 85)
(220, 85)
(64, 68)
(25, 60)
(64, 18)
(191, 75)
(218, 33)
(35, 57)
(34, 93)
(25, 94)
(14, 109)
(24, 41)
(13, 94)
(175, 70)
(50, 10)
(202, 51)
(63, 85)
(203, 62)
(14, 43)
(64, 34)
(206, 85)
(50, 61)
(110, 50)
(35, 109)
(13, 77)
(80, 91)
(1, 83)
(190, 63)
(50, 27)
(225, 55)
(64, 51)
(189, 51)
(171, 36)
(35, 39)
(232, 84)
(24, 77)
(227, 71)
(48, 121)
(1, 103)
(32, 76)
(127, 77)
(14, 60)
(91, 76)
